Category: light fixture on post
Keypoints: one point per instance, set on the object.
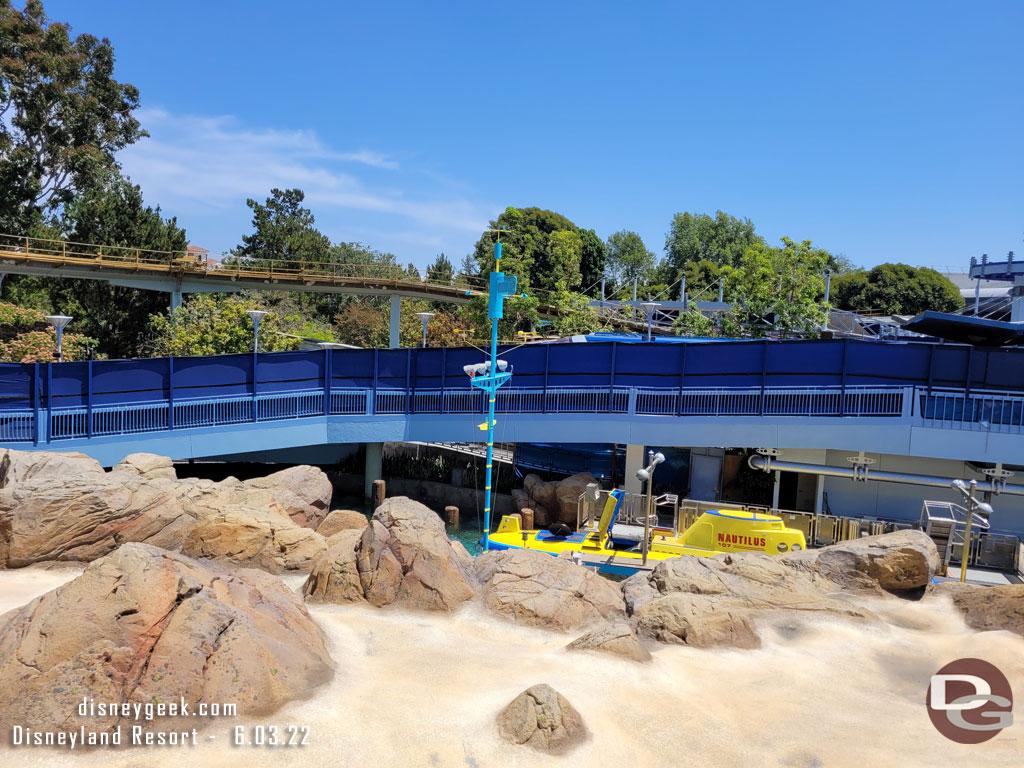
(649, 307)
(58, 322)
(257, 315)
(424, 318)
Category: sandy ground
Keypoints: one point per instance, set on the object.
(423, 690)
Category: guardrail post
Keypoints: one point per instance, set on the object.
(255, 407)
(408, 380)
(88, 403)
(49, 401)
(764, 375)
(373, 393)
(682, 377)
(631, 408)
(327, 381)
(544, 394)
(170, 392)
(907, 404)
(35, 403)
(444, 368)
(842, 380)
(611, 380)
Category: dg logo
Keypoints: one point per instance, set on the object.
(969, 701)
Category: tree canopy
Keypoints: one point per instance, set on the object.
(721, 239)
(628, 259)
(896, 289)
(284, 232)
(63, 116)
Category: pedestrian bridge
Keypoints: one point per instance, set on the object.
(915, 399)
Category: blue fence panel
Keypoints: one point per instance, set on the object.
(219, 376)
(290, 371)
(392, 368)
(133, 381)
(736, 364)
(1004, 369)
(351, 368)
(16, 381)
(808, 364)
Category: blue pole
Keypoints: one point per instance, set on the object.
(492, 392)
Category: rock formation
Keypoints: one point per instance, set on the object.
(535, 588)
(56, 506)
(402, 558)
(540, 717)
(553, 501)
(302, 492)
(149, 465)
(342, 520)
(987, 608)
(66, 516)
(254, 538)
(146, 625)
(615, 638)
(711, 601)
(891, 562)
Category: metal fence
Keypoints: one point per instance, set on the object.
(1002, 412)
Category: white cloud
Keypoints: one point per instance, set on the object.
(195, 166)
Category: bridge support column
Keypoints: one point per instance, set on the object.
(394, 339)
(775, 489)
(635, 460)
(374, 466)
(175, 299)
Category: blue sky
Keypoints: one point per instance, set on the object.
(884, 131)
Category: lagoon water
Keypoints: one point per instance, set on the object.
(423, 690)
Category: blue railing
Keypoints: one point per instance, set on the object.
(961, 410)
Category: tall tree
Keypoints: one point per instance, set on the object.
(525, 245)
(63, 116)
(779, 288)
(284, 234)
(592, 261)
(628, 259)
(116, 215)
(441, 270)
(896, 289)
(564, 252)
(722, 240)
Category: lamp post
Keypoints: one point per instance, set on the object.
(424, 318)
(58, 322)
(257, 315)
(647, 475)
(649, 307)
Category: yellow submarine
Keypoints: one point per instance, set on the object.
(715, 532)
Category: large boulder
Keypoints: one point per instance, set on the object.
(403, 558)
(149, 465)
(541, 718)
(254, 538)
(335, 577)
(711, 601)
(342, 520)
(84, 515)
(542, 492)
(892, 562)
(19, 466)
(303, 493)
(535, 588)
(567, 494)
(988, 607)
(145, 625)
(617, 639)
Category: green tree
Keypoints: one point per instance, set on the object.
(779, 288)
(573, 313)
(441, 270)
(112, 214)
(722, 240)
(26, 337)
(207, 325)
(592, 261)
(896, 289)
(63, 116)
(693, 322)
(565, 250)
(284, 234)
(628, 259)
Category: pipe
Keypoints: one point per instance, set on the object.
(767, 464)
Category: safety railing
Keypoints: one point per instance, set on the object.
(944, 409)
(993, 411)
(753, 401)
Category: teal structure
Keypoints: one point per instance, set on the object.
(501, 287)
